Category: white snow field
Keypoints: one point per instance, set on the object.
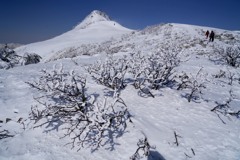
(177, 128)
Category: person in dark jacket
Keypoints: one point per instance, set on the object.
(207, 33)
(211, 36)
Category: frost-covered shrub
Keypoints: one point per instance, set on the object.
(4, 65)
(8, 58)
(108, 47)
(136, 67)
(4, 133)
(144, 72)
(65, 102)
(226, 108)
(230, 55)
(220, 74)
(110, 73)
(31, 58)
(227, 76)
(8, 131)
(143, 150)
(193, 83)
(227, 37)
(161, 68)
(7, 54)
(83, 49)
(155, 70)
(114, 49)
(154, 29)
(63, 88)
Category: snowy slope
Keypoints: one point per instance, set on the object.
(95, 28)
(203, 134)
(152, 38)
(199, 128)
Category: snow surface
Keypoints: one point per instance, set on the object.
(211, 136)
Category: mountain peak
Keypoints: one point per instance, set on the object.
(93, 17)
(97, 13)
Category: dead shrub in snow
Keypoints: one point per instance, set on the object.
(31, 58)
(143, 150)
(225, 108)
(227, 76)
(221, 74)
(144, 72)
(110, 73)
(160, 68)
(65, 102)
(5, 134)
(230, 55)
(195, 84)
(8, 57)
(137, 64)
(153, 71)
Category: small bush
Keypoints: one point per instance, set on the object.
(230, 55)
(110, 73)
(143, 149)
(31, 58)
(9, 58)
(195, 84)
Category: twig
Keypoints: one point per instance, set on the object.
(221, 119)
(193, 152)
(187, 155)
(235, 113)
(176, 138)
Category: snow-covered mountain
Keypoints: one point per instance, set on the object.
(152, 38)
(203, 126)
(95, 28)
(98, 34)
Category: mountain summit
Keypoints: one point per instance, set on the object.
(94, 17)
(97, 27)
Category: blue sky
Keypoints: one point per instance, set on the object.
(26, 21)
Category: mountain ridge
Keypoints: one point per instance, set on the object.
(92, 34)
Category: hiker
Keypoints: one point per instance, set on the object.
(211, 36)
(207, 33)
